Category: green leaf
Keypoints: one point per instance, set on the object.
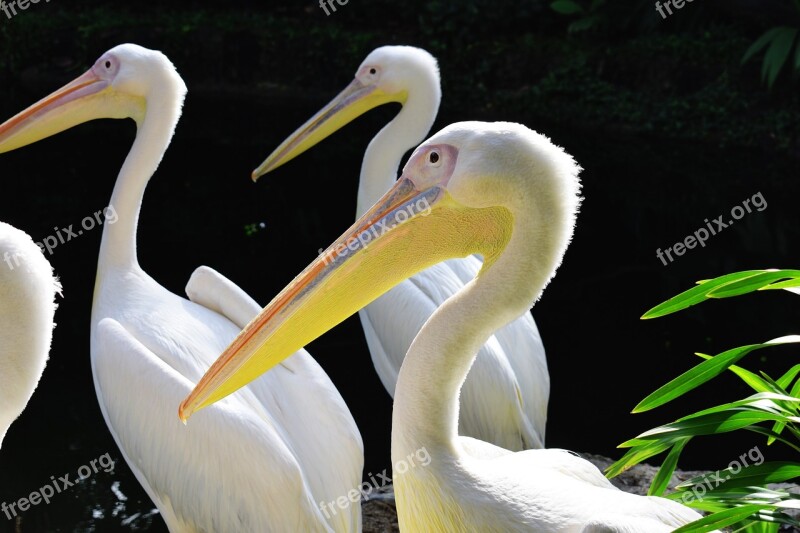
(789, 284)
(760, 44)
(752, 476)
(797, 58)
(702, 373)
(664, 474)
(583, 24)
(721, 519)
(754, 381)
(711, 424)
(786, 379)
(773, 436)
(777, 54)
(566, 7)
(696, 294)
(636, 455)
(753, 283)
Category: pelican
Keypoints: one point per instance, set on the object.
(149, 346)
(504, 400)
(509, 194)
(27, 309)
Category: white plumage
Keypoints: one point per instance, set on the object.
(266, 458)
(509, 194)
(27, 309)
(472, 485)
(505, 397)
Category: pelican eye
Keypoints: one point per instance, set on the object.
(433, 157)
(373, 71)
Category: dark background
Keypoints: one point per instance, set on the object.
(669, 126)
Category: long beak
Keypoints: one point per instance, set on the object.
(407, 231)
(351, 103)
(87, 98)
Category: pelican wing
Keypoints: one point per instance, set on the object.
(336, 458)
(212, 290)
(251, 467)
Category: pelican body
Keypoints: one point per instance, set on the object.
(507, 193)
(504, 399)
(149, 346)
(27, 310)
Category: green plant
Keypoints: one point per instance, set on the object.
(781, 45)
(740, 496)
(590, 17)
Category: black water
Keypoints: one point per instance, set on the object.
(200, 208)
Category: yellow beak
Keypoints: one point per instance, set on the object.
(351, 103)
(86, 98)
(414, 226)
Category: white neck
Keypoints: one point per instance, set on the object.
(407, 130)
(437, 363)
(155, 130)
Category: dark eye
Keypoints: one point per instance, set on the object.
(373, 71)
(108, 64)
(433, 157)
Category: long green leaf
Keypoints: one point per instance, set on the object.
(726, 286)
(752, 476)
(773, 436)
(760, 44)
(790, 284)
(786, 380)
(566, 7)
(696, 294)
(721, 519)
(702, 373)
(777, 54)
(754, 381)
(636, 455)
(664, 474)
(712, 424)
(753, 283)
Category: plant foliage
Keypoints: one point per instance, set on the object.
(741, 496)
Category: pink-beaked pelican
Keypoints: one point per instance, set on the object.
(267, 457)
(509, 194)
(504, 399)
(27, 309)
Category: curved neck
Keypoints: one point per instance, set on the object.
(386, 150)
(154, 133)
(437, 363)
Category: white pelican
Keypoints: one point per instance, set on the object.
(149, 346)
(27, 309)
(504, 400)
(509, 194)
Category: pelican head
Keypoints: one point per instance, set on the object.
(388, 74)
(473, 188)
(117, 86)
